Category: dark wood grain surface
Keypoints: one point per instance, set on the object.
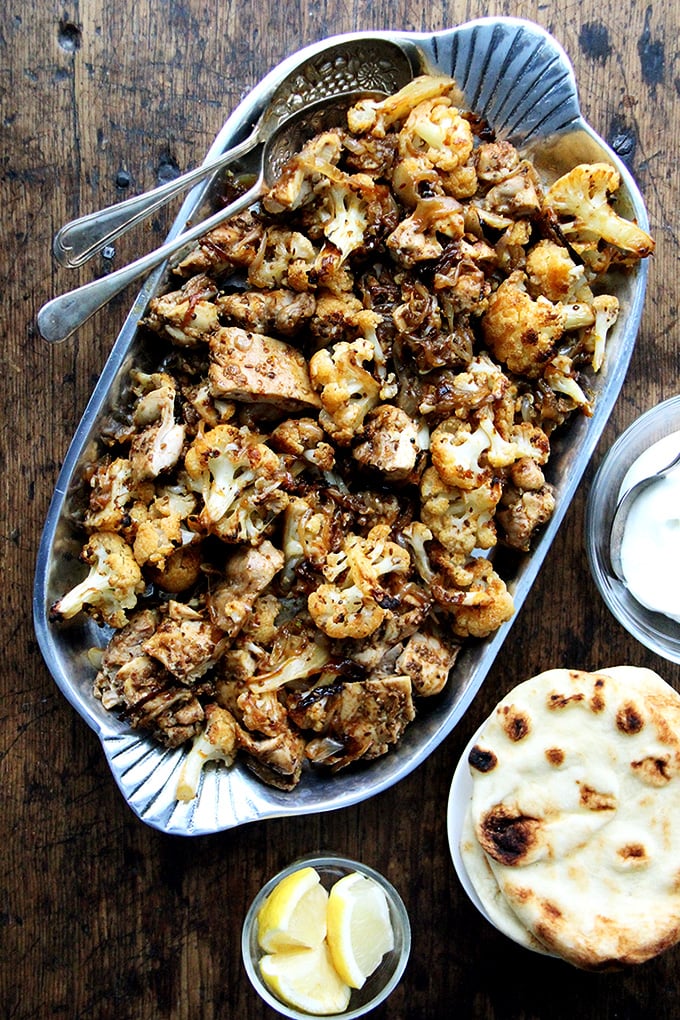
(100, 916)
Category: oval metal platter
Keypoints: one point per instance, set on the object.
(517, 77)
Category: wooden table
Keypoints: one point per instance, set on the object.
(102, 917)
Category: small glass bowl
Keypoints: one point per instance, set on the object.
(380, 983)
(629, 459)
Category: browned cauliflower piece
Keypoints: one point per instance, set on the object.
(461, 519)
(377, 116)
(355, 602)
(479, 608)
(524, 333)
(346, 389)
(552, 272)
(285, 258)
(308, 530)
(238, 478)
(457, 450)
(111, 493)
(217, 742)
(110, 588)
(581, 200)
(391, 442)
(303, 443)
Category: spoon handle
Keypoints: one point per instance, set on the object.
(80, 239)
(63, 315)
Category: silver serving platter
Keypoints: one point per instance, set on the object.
(515, 75)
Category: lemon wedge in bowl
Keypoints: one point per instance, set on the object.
(307, 980)
(359, 927)
(294, 914)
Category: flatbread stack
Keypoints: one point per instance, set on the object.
(572, 836)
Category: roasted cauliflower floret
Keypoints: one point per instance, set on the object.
(217, 742)
(461, 519)
(581, 200)
(239, 479)
(285, 258)
(552, 272)
(303, 441)
(377, 116)
(391, 442)
(347, 390)
(523, 333)
(110, 588)
(111, 493)
(355, 602)
(308, 527)
(296, 183)
(283, 311)
(457, 449)
(606, 308)
(479, 608)
(435, 132)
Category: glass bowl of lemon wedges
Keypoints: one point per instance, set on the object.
(327, 936)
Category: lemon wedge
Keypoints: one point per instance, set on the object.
(359, 928)
(307, 980)
(294, 914)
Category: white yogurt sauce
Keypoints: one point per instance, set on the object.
(650, 548)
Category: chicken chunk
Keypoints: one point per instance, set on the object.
(282, 311)
(247, 574)
(427, 660)
(185, 643)
(365, 719)
(252, 367)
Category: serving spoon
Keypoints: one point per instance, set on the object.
(63, 315)
(373, 64)
(622, 512)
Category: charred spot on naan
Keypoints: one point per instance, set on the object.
(508, 837)
(558, 701)
(629, 719)
(652, 770)
(516, 724)
(481, 760)
(594, 800)
(633, 854)
(555, 756)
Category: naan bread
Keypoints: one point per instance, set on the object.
(485, 885)
(576, 806)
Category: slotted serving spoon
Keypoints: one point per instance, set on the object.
(623, 509)
(61, 316)
(379, 65)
